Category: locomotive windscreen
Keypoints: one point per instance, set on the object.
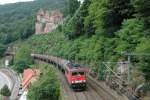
(77, 73)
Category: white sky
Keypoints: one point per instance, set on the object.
(12, 1)
(81, 0)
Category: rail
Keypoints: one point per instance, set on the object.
(53, 60)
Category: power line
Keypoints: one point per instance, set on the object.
(135, 54)
(129, 61)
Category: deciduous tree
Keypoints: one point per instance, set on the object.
(22, 59)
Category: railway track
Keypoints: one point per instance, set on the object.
(93, 91)
(100, 91)
(69, 94)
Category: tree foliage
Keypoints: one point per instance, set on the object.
(76, 25)
(112, 27)
(144, 61)
(73, 6)
(18, 19)
(2, 49)
(142, 7)
(99, 30)
(130, 34)
(22, 59)
(5, 91)
(110, 14)
(133, 38)
(47, 87)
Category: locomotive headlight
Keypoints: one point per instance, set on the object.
(84, 80)
(72, 82)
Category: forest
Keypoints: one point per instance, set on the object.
(101, 30)
(93, 32)
(18, 19)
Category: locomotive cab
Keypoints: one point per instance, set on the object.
(76, 76)
(78, 80)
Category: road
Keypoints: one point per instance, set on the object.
(4, 79)
(9, 77)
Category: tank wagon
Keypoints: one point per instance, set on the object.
(74, 73)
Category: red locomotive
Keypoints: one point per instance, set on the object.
(74, 73)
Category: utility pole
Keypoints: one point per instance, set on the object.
(129, 61)
(129, 68)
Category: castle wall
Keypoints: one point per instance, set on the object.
(47, 22)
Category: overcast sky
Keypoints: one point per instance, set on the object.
(12, 1)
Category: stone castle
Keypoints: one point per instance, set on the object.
(47, 22)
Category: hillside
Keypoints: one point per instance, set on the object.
(103, 31)
(17, 20)
(84, 37)
(98, 31)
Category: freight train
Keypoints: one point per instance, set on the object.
(74, 73)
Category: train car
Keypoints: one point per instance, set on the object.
(76, 75)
